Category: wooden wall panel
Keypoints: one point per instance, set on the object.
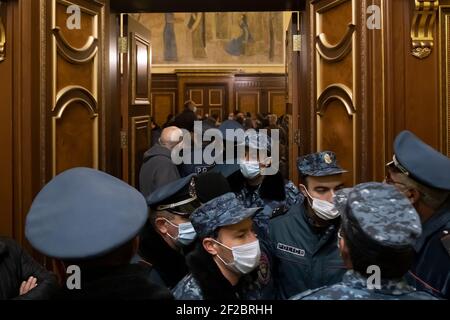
(336, 132)
(256, 92)
(75, 131)
(377, 77)
(336, 104)
(248, 102)
(76, 80)
(6, 123)
(277, 102)
(444, 29)
(163, 104)
(412, 84)
(140, 142)
(261, 92)
(195, 85)
(19, 114)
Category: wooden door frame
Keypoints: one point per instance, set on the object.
(214, 77)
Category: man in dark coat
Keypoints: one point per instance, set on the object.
(422, 174)
(21, 277)
(169, 234)
(158, 168)
(186, 119)
(304, 237)
(89, 221)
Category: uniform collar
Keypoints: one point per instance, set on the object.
(355, 280)
(436, 222)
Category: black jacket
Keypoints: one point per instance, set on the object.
(127, 282)
(16, 266)
(157, 170)
(431, 268)
(168, 263)
(185, 120)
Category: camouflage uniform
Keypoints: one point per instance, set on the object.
(354, 287)
(379, 219)
(222, 211)
(188, 289)
(251, 197)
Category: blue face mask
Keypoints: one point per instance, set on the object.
(186, 233)
(250, 170)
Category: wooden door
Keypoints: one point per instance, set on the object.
(135, 96)
(211, 99)
(295, 99)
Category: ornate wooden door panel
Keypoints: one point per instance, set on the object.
(135, 98)
(75, 85)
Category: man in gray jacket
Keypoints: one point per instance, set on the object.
(158, 168)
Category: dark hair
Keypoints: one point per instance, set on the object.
(303, 180)
(153, 214)
(393, 263)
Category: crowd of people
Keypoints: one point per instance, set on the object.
(231, 232)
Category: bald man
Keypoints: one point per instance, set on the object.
(158, 168)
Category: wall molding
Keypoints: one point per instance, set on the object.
(72, 54)
(336, 92)
(422, 27)
(75, 93)
(335, 53)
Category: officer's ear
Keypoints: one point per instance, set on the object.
(161, 225)
(413, 195)
(209, 246)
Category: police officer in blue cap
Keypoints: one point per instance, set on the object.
(422, 174)
(376, 239)
(270, 192)
(304, 239)
(226, 254)
(168, 234)
(89, 221)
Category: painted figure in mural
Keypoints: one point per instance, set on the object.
(236, 47)
(170, 43)
(196, 24)
(271, 36)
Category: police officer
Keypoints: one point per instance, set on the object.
(226, 254)
(379, 229)
(304, 239)
(90, 220)
(422, 174)
(263, 189)
(270, 192)
(168, 234)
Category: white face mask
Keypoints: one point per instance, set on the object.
(323, 209)
(186, 233)
(245, 257)
(194, 109)
(250, 170)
